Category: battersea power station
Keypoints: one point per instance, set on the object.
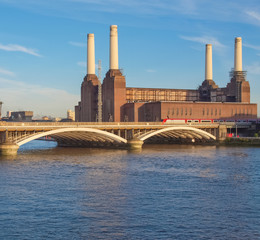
(112, 101)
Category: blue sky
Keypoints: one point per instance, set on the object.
(161, 44)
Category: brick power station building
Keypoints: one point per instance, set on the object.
(128, 104)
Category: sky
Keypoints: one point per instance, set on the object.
(43, 46)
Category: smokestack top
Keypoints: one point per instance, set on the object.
(238, 39)
(90, 35)
(208, 45)
(113, 27)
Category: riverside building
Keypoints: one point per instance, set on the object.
(130, 104)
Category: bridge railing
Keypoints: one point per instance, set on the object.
(73, 124)
(79, 124)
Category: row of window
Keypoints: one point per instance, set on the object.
(161, 98)
(161, 95)
(208, 111)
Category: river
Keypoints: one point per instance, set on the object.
(161, 192)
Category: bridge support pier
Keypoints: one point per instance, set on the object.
(135, 143)
(221, 133)
(8, 149)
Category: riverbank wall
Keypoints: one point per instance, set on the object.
(242, 141)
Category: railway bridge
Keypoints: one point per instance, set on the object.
(116, 134)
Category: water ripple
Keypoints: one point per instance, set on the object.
(162, 192)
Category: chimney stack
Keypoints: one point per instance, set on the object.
(208, 62)
(91, 54)
(238, 55)
(113, 47)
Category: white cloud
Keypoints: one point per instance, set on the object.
(82, 64)
(18, 95)
(78, 44)
(255, 47)
(6, 72)
(137, 6)
(204, 40)
(19, 48)
(89, 10)
(253, 15)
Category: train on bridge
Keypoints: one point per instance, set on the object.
(209, 121)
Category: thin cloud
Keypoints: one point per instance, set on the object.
(204, 40)
(254, 15)
(6, 72)
(254, 68)
(255, 47)
(19, 48)
(82, 64)
(42, 100)
(81, 7)
(146, 6)
(89, 10)
(78, 44)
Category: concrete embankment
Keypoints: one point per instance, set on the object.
(242, 141)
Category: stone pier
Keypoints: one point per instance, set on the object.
(8, 149)
(221, 133)
(135, 144)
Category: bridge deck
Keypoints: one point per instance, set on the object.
(20, 126)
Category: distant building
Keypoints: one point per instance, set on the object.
(57, 119)
(45, 118)
(22, 116)
(1, 109)
(121, 103)
(8, 114)
(71, 115)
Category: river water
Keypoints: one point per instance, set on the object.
(162, 192)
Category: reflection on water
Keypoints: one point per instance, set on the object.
(161, 192)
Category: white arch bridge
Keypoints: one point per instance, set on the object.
(118, 135)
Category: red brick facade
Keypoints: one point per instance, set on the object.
(156, 111)
(113, 96)
(149, 104)
(88, 104)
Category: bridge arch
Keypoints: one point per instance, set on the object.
(176, 132)
(76, 134)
